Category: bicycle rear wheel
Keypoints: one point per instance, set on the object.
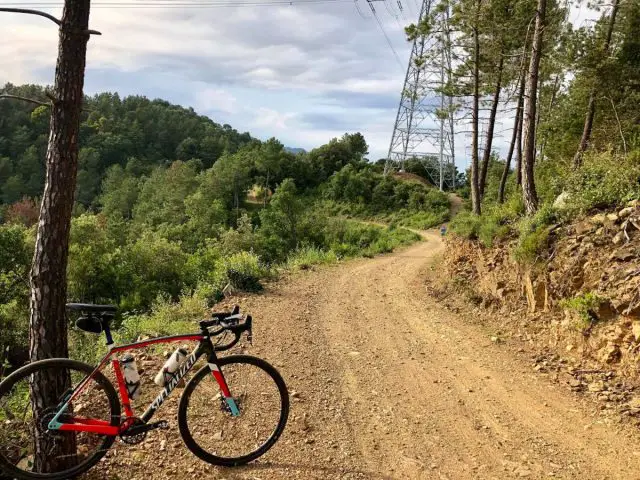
(28, 449)
(207, 424)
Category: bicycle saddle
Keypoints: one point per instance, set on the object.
(97, 319)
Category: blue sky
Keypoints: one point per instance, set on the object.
(301, 73)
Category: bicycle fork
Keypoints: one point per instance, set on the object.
(222, 383)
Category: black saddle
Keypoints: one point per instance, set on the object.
(95, 318)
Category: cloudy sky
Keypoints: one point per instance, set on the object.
(301, 73)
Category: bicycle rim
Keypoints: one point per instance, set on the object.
(28, 449)
(209, 427)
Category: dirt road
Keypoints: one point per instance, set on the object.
(388, 385)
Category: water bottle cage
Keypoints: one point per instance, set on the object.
(168, 376)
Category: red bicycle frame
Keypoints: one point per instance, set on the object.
(79, 424)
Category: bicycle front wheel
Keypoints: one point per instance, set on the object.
(219, 436)
(30, 398)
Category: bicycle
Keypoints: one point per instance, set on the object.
(60, 442)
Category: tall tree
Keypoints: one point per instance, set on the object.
(475, 184)
(492, 122)
(48, 326)
(591, 106)
(516, 136)
(529, 193)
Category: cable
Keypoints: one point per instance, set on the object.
(180, 3)
(386, 36)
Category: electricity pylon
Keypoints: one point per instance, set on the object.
(424, 127)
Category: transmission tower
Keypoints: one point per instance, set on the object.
(424, 127)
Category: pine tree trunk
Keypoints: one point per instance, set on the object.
(512, 146)
(591, 106)
(475, 185)
(519, 149)
(529, 193)
(492, 122)
(48, 326)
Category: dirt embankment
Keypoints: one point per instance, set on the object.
(388, 384)
(596, 336)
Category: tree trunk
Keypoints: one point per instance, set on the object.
(512, 145)
(552, 100)
(519, 151)
(48, 326)
(591, 106)
(529, 193)
(475, 184)
(492, 122)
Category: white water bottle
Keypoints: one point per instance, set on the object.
(131, 376)
(170, 367)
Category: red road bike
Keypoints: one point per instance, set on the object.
(231, 411)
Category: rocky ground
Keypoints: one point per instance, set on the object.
(391, 381)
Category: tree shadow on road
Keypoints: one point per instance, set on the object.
(322, 471)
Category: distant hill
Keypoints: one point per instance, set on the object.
(295, 150)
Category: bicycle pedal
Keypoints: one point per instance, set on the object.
(163, 425)
(137, 429)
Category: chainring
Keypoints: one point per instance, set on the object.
(135, 438)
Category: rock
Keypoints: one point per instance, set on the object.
(598, 219)
(613, 217)
(623, 256)
(635, 329)
(633, 203)
(610, 354)
(625, 212)
(634, 403)
(583, 227)
(618, 238)
(597, 386)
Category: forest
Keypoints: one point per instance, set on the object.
(171, 208)
(567, 95)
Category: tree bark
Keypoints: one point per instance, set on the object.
(475, 184)
(512, 145)
(492, 122)
(48, 325)
(591, 106)
(529, 193)
(519, 148)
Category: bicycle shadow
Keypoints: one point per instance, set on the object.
(323, 471)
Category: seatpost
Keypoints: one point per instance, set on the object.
(107, 332)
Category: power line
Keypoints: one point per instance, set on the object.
(179, 3)
(385, 35)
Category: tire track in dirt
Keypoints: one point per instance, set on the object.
(386, 384)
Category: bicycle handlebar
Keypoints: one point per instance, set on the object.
(229, 321)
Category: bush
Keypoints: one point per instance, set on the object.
(534, 235)
(243, 271)
(306, 257)
(604, 180)
(586, 306)
(466, 225)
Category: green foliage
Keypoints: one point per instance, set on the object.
(15, 258)
(362, 192)
(308, 256)
(586, 306)
(243, 271)
(605, 180)
(533, 239)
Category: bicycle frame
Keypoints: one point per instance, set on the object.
(205, 347)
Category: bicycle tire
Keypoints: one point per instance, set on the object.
(205, 372)
(114, 404)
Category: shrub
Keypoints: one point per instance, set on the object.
(534, 235)
(305, 257)
(586, 306)
(243, 271)
(466, 225)
(604, 180)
